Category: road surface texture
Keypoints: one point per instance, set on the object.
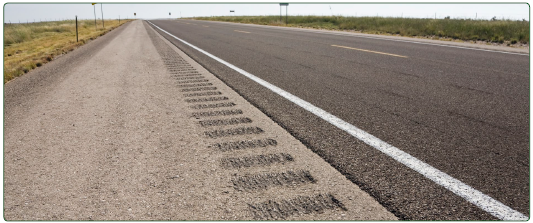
(128, 127)
(463, 111)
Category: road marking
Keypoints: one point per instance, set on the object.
(485, 202)
(241, 31)
(373, 37)
(370, 51)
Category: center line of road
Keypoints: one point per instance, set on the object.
(370, 51)
(485, 202)
(241, 31)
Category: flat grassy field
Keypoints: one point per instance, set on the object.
(497, 31)
(27, 46)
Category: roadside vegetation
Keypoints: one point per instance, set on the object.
(491, 31)
(27, 46)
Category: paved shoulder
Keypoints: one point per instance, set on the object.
(140, 131)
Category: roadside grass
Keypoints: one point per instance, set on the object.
(497, 31)
(27, 46)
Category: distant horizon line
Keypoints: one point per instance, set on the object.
(162, 18)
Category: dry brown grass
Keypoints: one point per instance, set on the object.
(27, 46)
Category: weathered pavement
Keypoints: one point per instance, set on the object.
(462, 111)
(129, 128)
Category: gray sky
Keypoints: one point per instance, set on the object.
(29, 12)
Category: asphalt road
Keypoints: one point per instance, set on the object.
(463, 111)
(128, 127)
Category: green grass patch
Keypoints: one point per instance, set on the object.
(497, 31)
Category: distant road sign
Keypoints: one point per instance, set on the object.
(283, 4)
(231, 10)
(134, 13)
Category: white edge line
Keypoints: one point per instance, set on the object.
(370, 37)
(488, 204)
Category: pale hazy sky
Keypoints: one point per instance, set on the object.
(42, 11)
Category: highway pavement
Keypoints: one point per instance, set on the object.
(128, 127)
(463, 111)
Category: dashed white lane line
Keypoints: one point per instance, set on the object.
(379, 38)
(370, 51)
(470, 194)
(241, 31)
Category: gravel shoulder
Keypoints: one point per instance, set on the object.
(128, 127)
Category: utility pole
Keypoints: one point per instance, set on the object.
(76, 28)
(101, 8)
(94, 7)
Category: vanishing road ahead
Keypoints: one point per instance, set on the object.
(463, 111)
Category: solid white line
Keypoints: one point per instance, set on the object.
(472, 195)
(371, 37)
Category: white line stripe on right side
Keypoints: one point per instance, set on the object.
(470, 194)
